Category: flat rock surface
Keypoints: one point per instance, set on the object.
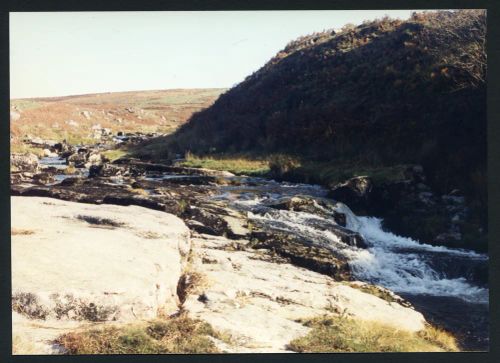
(257, 300)
(98, 262)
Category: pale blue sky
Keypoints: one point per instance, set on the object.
(58, 54)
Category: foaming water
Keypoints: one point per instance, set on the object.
(398, 263)
(403, 264)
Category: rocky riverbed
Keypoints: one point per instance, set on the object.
(271, 252)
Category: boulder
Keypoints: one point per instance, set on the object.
(14, 116)
(48, 153)
(92, 262)
(44, 178)
(95, 158)
(355, 192)
(86, 114)
(24, 162)
(95, 170)
(77, 159)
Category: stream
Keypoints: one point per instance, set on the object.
(447, 285)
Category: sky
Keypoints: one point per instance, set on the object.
(59, 54)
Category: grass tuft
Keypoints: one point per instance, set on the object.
(239, 165)
(342, 334)
(176, 335)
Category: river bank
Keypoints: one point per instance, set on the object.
(282, 223)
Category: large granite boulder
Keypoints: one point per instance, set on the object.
(94, 262)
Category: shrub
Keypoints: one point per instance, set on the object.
(280, 164)
(27, 304)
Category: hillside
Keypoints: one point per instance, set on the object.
(72, 117)
(383, 92)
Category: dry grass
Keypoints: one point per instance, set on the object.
(153, 111)
(70, 170)
(21, 232)
(22, 345)
(139, 191)
(439, 337)
(176, 335)
(342, 334)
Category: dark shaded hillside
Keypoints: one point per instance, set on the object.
(386, 91)
(380, 94)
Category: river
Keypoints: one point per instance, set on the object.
(449, 286)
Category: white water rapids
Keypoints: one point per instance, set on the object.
(397, 263)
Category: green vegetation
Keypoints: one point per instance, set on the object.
(114, 154)
(175, 335)
(374, 290)
(330, 173)
(294, 168)
(366, 100)
(235, 164)
(342, 334)
(385, 92)
(21, 148)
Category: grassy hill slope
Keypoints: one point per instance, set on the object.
(72, 117)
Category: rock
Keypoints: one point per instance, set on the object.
(86, 114)
(302, 203)
(48, 153)
(77, 159)
(355, 192)
(95, 170)
(23, 162)
(14, 116)
(258, 301)
(95, 158)
(211, 223)
(44, 178)
(300, 253)
(97, 255)
(72, 123)
(70, 181)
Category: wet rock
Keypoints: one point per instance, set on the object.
(355, 192)
(71, 181)
(302, 203)
(77, 159)
(211, 223)
(95, 170)
(44, 178)
(315, 258)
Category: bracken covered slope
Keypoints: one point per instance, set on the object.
(384, 92)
